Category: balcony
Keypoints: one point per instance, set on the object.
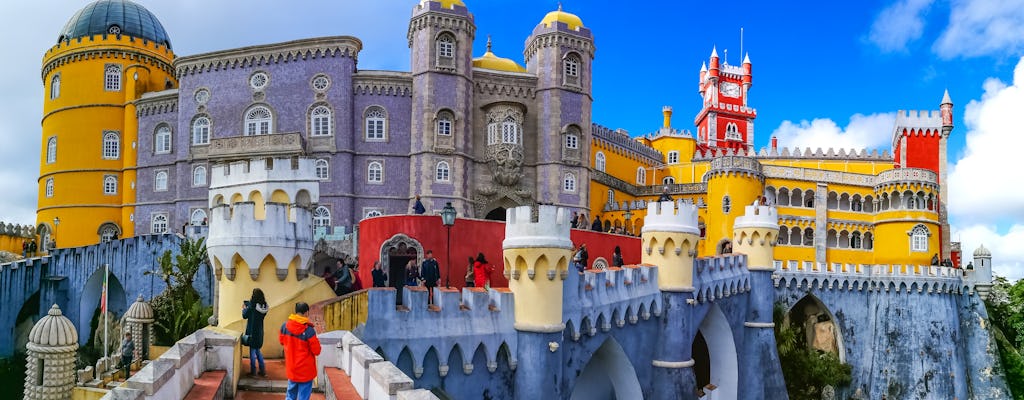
(278, 144)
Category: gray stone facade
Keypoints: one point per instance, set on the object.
(483, 176)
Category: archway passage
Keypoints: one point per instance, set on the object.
(722, 363)
(701, 361)
(497, 214)
(815, 326)
(90, 301)
(608, 375)
(395, 253)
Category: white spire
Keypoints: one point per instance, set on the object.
(703, 67)
(945, 98)
(714, 52)
(746, 58)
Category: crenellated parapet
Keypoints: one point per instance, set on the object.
(603, 299)
(463, 322)
(830, 154)
(108, 46)
(741, 165)
(927, 279)
(755, 234)
(719, 277)
(15, 230)
(284, 233)
(255, 56)
(669, 240)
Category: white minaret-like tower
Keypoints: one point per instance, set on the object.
(981, 275)
(52, 344)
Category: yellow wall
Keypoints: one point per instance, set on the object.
(78, 117)
(742, 190)
(538, 300)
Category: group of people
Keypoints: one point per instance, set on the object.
(580, 257)
(343, 278)
(297, 336)
(28, 248)
(579, 221)
(428, 273)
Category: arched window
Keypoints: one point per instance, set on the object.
(510, 131)
(443, 172)
(158, 224)
(668, 180)
(258, 121)
(199, 176)
(726, 204)
(111, 146)
(160, 181)
(869, 241)
(732, 132)
(855, 241)
(49, 187)
(110, 184)
(919, 238)
(444, 123)
(375, 172)
(569, 182)
(322, 169)
(808, 237)
(321, 216)
(55, 87)
(162, 140)
(572, 69)
(641, 176)
(201, 131)
(108, 232)
(673, 157)
(112, 78)
(51, 150)
(373, 213)
(198, 217)
(783, 236)
(599, 161)
(320, 121)
(376, 120)
(446, 50)
(611, 196)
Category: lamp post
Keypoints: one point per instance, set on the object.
(628, 215)
(448, 219)
(56, 222)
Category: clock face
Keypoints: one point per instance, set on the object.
(730, 89)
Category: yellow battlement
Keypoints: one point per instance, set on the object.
(550, 230)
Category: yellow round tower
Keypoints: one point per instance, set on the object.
(669, 241)
(755, 234)
(108, 54)
(907, 218)
(733, 182)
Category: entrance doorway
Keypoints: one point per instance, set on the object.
(395, 253)
(497, 214)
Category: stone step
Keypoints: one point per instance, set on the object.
(265, 385)
(245, 395)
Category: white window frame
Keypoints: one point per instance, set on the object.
(668, 180)
(162, 140)
(493, 133)
(569, 182)
(726, 204)
(321, 121)
(320, 83)
(160, 181)
(641, 176)
(112, 78)
(108, 232)
(445, 45)
(919, 238)
(375, 172)
(375, 127)
(55, 87)
(322, 168)
(49, 187)
(197, 216)
(510, 131)
(571, 69)
(111, 145)
(442, 172)
(199, 176)
(444, 124)
(51, 150)
(600, 162)
(732, 132)
(201, 130)
(321, 217)
(109, 185)
(259, 120)
(572, 141)
(372, 212)
(673, 157)
(159, 224)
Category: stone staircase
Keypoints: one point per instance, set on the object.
(273, 385)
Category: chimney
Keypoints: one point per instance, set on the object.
(667, 112)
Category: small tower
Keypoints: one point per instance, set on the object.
(139, 321)
(725, 120)
(755, 234)
(52, 344)
(982, 273)
(536, 256)
(733, 182)
(261, 236)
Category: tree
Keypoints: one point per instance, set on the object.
(807, 371)
(178, 308)
(1005, 306)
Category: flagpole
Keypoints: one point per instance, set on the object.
(106, 316)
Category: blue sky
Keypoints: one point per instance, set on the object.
(825, 74)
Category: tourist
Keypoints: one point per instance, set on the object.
(469, 273)
(431, 273)
(572, 222)
(617, 257)
(328, 276)
(596, 226)
(254, 311)
(357, 283)
(127, 354)
(24, 248)
(300, 350)
(380, 278)
(412, 274)
(584, 257)
(935, 259)
(32, 248)
(482, 272)
(664, 195)
(418, 206)
(344, 277)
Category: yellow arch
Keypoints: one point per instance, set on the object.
(260, 207)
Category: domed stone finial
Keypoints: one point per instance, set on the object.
(53, 330)
(51, 347)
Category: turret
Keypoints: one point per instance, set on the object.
(666, 111)
(713, 69)
(536, 255)
(669, 240)
(755, 234)
(733, 182)
(946, 108)
(703, 76)
(981, 275)
(748, 77)
(51, 349)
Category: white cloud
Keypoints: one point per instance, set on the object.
(899, 24)
(982, 27)
(864, 131)
(983, 184)
(1007, 253)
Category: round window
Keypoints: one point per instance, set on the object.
(202, 96)
(114, 30)
(259, 80)
(321, 82)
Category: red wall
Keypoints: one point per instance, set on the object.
(923, 151)
(469, 237)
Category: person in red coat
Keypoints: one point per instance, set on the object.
(482, 272)
(300, 350)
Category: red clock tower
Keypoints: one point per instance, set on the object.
(725, 121)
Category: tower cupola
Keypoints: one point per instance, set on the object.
(571, 20)
(115, 17)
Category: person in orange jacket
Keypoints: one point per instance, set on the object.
(300, 350)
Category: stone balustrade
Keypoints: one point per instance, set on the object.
(910, 278)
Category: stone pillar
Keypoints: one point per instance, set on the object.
(52, 343)
(536, 256)
(669, 241)
(755, 235)
(139, 321)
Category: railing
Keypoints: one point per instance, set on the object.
(277, 144)
(906, 174)
(652, 190)
(735, 163)
(340, 313)
(908, 270)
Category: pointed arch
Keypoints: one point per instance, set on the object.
(608, 374)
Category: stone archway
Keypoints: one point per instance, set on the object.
(89, 302)
(497, 214)
(395, 253)
(608, 376)
(818, 325)
(719, 348)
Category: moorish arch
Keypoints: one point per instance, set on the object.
(609, 375)
(396, 252)
(92, 291)
(818, 325)
(715, 359)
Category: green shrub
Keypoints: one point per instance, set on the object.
(807, 371)
(178, 309)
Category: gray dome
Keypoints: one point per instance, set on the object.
(139, 311)
(115, 16)
(53, 330)
(982, 252)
